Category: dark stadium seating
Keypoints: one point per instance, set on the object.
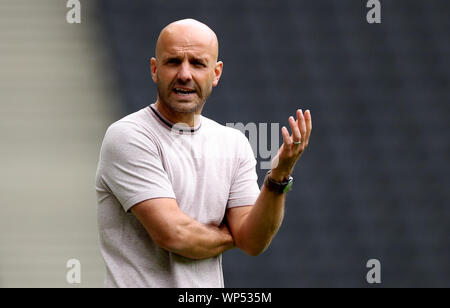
(375, 181)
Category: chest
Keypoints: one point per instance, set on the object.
(201, 171)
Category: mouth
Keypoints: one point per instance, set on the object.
(184, 92)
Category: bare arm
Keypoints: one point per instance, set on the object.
(173, 230)
(253, 227)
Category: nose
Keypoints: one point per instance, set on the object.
(184, 73)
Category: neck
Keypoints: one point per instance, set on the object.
(189, 118)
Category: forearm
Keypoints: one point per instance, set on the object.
(195, 240)
(261, 223)
(173, 230)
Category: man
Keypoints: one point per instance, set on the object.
(176, 189)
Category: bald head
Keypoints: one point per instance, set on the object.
(188, 33)
(185, 68)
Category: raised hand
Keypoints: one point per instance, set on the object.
(293, 145)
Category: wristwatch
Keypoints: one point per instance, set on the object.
(278, 187)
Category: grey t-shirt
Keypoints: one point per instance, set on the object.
(207, 169)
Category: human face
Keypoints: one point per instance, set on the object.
(185, 71)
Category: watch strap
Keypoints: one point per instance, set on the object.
(278, 187)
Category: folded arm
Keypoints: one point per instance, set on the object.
(173, 230)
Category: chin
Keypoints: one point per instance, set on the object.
(185, 106)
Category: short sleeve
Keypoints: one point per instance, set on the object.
(244, 188)
(130, 166)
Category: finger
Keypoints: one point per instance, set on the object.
(308, 122)
(295, 131)
(301, 123)
(286, 138)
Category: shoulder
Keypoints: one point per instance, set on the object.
(130, 126)
(130, 132)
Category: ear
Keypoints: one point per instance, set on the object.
(217, 73)
(153, 69)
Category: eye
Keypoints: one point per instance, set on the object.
(198, 63)
(173, 61)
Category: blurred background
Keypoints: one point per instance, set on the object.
(373, 184)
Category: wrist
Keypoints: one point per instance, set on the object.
(278, 176)
(227, 237)
(278, 184)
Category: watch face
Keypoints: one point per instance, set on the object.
(288, 186)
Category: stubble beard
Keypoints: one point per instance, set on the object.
(180, 107)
